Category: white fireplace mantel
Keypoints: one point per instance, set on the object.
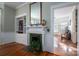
(37, 30)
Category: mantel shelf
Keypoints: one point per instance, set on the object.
(36, 26)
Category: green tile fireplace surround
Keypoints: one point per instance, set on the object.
(36, 42)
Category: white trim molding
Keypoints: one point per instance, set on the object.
(24, 14)
(22, 5)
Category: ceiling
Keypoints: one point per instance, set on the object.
(16, 4)
(13, 4)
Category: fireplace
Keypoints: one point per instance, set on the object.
(36, 42)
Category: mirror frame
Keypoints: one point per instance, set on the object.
(40, 13)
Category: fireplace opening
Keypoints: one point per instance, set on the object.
(36, 42)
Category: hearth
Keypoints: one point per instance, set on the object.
(36, 42)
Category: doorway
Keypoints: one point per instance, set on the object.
(65, 30)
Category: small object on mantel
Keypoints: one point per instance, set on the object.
(48, 29)
(43, 22)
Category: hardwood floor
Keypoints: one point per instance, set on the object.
(64, 47)
(16, 49)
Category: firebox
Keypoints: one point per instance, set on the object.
(36, 42)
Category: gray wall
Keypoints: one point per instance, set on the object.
(7, 34)
(2, 8)
(9, 19)
(2, 15)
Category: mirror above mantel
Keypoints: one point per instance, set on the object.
(36, 20)
(36, 13)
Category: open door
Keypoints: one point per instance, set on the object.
(74, 25)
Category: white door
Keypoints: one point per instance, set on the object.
(74, 27)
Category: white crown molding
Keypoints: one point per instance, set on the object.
(24, 14)
(21, 5)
